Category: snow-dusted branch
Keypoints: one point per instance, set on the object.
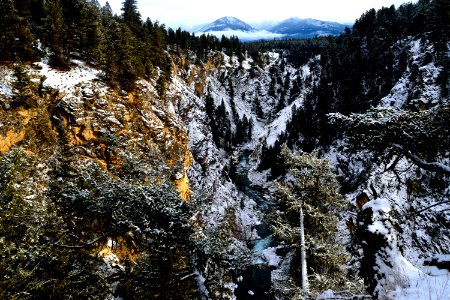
(429, 166)
(425, 208)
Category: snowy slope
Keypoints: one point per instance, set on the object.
(417, 210)
(427, 90)
(209, 177)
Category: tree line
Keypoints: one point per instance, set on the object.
(124, 47)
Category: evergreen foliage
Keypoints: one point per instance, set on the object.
(22, 86)
(422, 137)
(55, 32)
(58, 236)
(222, 256)
(309, 206)
(51, 241)
(16, 38)
(125, 47)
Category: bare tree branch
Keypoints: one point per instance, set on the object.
(88, 244)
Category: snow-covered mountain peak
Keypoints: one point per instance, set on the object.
(298, 27)
(227, 23)
(290, 28)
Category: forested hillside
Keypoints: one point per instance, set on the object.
(143, 162)
(124, 47)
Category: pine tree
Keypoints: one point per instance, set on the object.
(55, 31)
(109, 46)
(422, 137)
(127, 59)
(93, 36)
(74, 26)
(24, 40)
(307, 219)
(16, 39)
(131, 16)
(7, 29)
(439, 25)
(21, 86)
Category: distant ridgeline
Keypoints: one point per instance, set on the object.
(292, 28)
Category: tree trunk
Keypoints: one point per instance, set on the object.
(305, 285)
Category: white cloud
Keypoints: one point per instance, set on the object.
(246, 36)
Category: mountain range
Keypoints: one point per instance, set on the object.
(287, 29)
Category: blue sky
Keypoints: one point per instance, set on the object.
(188, 13)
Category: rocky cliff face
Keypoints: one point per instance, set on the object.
(125, 190)
(95, 177)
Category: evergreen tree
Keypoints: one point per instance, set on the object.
(24, 41)
(110, 46)
(91, 48)
(250, 130)
(439, 25)
(295, 90)
(7, 29)
(422, 137)
(127, 61)
(307, 219)
(55, 31)
(37, 12)
(257, 106)
(16, 39)
(131, 16)
(21, 86)
(75, 26)
(220, 124)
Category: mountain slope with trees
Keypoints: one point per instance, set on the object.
(122, 142)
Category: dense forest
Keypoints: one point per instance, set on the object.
(124, 47)
(361, 66)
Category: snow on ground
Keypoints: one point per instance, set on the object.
(271, 257)
(207, 173)
(259, 178)
(409, 279)
(5, 89)
(398, 96)
(278, 126)
(430, 284)
(306, 71)
(5, 78)
(273, 56)
(67, 81)
(272, 131)
(430, 94)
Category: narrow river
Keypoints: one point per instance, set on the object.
(256, 280)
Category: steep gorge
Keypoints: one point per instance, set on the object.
(135, 195)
